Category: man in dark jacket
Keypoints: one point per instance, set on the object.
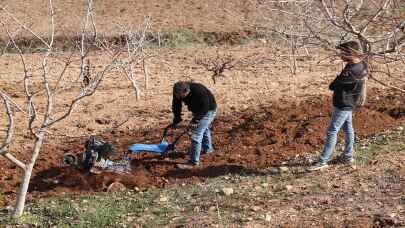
(201, 102)
(348, 92)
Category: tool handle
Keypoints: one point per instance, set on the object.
(185, 130)
(166, 130)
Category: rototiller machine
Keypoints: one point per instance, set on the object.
(97, 152)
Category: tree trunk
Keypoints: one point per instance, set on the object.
(26, 177)
(137, 93)
(146, 74)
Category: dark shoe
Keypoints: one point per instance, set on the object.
(188, 165)
(318, 166)
(208, 152)
(345, 160)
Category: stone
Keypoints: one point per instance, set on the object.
(289, 188)
(227, 191)
(283, 169)
(130, 219)
(10, 208)
(258, 189)
(163, 199)
(212, 209)
(116, 187)
(267, 217)
(265, 185)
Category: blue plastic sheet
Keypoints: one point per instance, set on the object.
(156, 148)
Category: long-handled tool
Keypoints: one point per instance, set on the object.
(163, 148)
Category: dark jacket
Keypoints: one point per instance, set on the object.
(199, 101)
(348, 86)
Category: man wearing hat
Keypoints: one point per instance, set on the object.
(348, 93)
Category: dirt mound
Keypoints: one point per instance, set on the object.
(244, 141)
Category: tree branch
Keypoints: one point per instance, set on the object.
(9, 133)
(10, 126)
(86, 92)
(376, 15)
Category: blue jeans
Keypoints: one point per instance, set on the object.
(340, 119)
(201, 137)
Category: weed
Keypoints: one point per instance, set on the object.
(364, 154)
(402, 146)
(181, 38)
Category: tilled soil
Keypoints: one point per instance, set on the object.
(245, 141)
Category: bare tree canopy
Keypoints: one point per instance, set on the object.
(50, 81)
(379, 26)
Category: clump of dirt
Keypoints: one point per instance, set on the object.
(245, 141)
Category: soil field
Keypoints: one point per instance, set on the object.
(245, 141)
(112, 16)
(265, 115)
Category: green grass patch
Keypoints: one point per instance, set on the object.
(402, 146)
(85, 211)
(375, 144)
(189, 37)
(180, 38)
(174, 39)
(364, 154)
(2, 198)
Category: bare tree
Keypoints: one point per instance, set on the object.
(135, 40)
(217, 65)
(379, 26)
(55, 81)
